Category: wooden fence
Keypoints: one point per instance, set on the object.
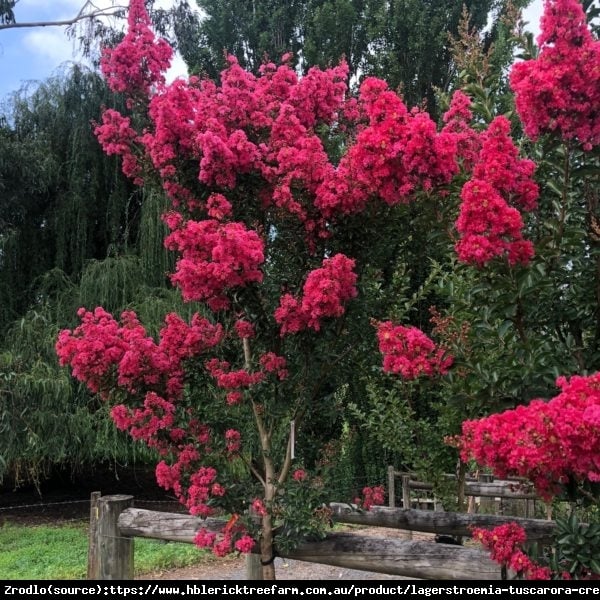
(115, 523)
(493, 495)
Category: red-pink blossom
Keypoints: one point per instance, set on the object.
(272, 363)
(325, 293)
(244, 329)
(215, 258)
(233, 439)
(407, 351)
(232, 380)
(489, 223)
(299, 475)
(245, 544)
(139, 60)
(258, 507)
(205, 538)
(396, 154)
(550, 443)
(218, 207)
(559, 91)
(505, 544)
(234, 398)
(371, 496)
(116, 136)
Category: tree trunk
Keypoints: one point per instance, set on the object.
(266, 548)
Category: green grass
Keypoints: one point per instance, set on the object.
(51, 552)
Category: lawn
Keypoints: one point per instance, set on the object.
(60, 552)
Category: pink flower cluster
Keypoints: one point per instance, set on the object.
(299, 475)
(234, 440)
(407, 351)
(116, 136)
(232, 380)
(371, 496)
(457, 120)
(194, 485)
(244, 329)
(105, 355)
(396, 153)
(144, 424)
(550, 443)
(111, 357)
(259, 507)
(265, 125)
(223, 545)
(137, 62)
(559, 91)
(215, 257)
(324, 295)
(237, 380)
(489, 226)
(505, 544)
(272, 363)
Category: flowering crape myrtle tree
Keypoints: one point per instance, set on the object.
(280, 190)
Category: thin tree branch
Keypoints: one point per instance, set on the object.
(253, 469)
(81, 16)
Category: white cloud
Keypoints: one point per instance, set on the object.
(49, 46)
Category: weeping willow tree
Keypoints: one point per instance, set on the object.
(62, 202)
(73, 232)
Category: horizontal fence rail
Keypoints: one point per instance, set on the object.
(115, 523)
(446, 523)
(422, 560)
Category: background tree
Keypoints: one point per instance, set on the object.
(73, 231)
(405, 41)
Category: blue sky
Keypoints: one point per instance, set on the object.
(34, 54)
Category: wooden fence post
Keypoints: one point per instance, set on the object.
(115, 551)
(391, 487)
(487, 505)
(93, 565)
(406, 503)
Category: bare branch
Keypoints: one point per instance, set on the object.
(111, 11)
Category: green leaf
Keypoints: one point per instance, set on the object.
(595, 566)
(504, 327)
(551, 185)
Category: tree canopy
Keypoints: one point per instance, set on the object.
(405, 41)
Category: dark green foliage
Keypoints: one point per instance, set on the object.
(73, 232)
(63, 201)
(248, 29)
(577, 548)
(406, 42)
